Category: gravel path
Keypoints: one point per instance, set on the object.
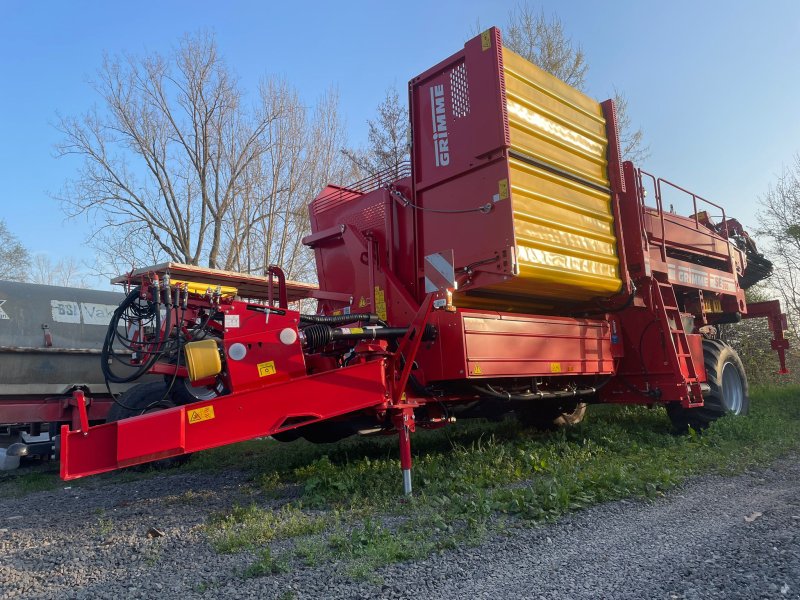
(93, 542)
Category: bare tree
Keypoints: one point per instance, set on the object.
(779, 222)
(270, 216)
(543, 41)
(631, 140)
(15, 260)
(177, 161)
(387, 139)
(65, 272)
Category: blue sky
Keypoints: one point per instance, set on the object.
(714, 85)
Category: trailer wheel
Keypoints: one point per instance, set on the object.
(551, 415)
(144, 398)
(728, 394)
(317, 433)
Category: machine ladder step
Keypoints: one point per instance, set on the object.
(672, 322)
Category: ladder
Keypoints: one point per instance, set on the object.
(666, 307)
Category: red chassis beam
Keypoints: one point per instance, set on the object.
(52, 409)
(223, 420)
(771, 309)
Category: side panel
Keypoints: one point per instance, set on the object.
(477, 345)
(512, 346)
(559, 182)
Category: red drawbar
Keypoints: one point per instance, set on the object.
(221, 421)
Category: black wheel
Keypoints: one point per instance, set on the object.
(327, 432)
(728, 394)
(144, 398)
(549, 415)
(183, 392)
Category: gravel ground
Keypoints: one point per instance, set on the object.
(93, 542)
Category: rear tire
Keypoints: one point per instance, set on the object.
(144, 398)
(549, 415)
(729, 394)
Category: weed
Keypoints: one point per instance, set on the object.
(104, 526)
(312, 551)
(247, 527)
(370, 545)
(267, 564)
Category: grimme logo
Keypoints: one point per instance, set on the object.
(440, 143)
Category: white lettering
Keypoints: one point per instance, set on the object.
(441, 144)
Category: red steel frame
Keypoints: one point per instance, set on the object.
(54, 409)
(370, 241)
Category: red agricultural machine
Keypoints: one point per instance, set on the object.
(515, 266)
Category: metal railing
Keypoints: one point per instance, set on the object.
(657, 183)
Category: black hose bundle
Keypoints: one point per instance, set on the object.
(365, 318)
(319, 336)
(142, 314)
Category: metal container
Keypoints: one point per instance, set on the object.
(511, 173)
(51, 338)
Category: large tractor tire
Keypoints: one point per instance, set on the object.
(728, 394)
(145, 398)
(549, 415)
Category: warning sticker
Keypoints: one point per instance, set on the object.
(555, 367)
(380, 302)
(266, 368)
(231, 321)
(476, 370)
(196, 415)
(502, 189)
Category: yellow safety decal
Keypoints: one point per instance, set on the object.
(502, 189)
(486, 39)
(476, 370)
(555, 367)
(200, 414)
(362, 302)
(266, 368)
(380, 303)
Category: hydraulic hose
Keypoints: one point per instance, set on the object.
(319, 336)
(152, 311)
(365, 318)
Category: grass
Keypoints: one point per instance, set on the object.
(480, 477)
(267, 564)
(16, 484)
(343, 502)
(251, 526)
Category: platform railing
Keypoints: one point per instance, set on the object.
(657, 188)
